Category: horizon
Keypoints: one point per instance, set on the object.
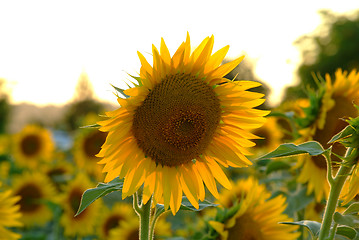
(46, 53)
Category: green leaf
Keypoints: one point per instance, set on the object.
(347, 220)
(175, 238)
(298, 201)
(120, 91)
(312, 226)
(353, 208)
(186, 205)
(138, 79)
(290, 149)
(346, 231)
(102, 189)
(92, 126)
(346, 132)
(276, 166)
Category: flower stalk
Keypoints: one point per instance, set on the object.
(145, 218)
(144, 213)
(336, 185)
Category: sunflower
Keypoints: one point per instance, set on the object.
(350, 189)
(5, 167)
(180, 121)
(34, 190)
(337, 103)
(255, 216)
(129, 230)
(4, 144)
(111, 218)
(9, 215)
(59, 172)
(87, 144)
(314, 211)
(241, 190)
(32, 146)
(271, 134)
(84, 223)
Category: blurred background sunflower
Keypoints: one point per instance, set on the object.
(9, 215)
(84, 223)
(253, 216)
(32, 146)
(111, 217)
(35, 190)
(336, 104)
(86, 145)
(130, 230)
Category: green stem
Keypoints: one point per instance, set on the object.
(329, 167)
(136, 205)
(145, 217)
(153, 224)
(333, 231)
(335, 189)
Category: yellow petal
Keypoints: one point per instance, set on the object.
(198, 178)
(216, 59)
(168, 176)
(165, 54)
(178, 57)
(198, 50)
(207, 178)
(204, 56)
(146, 66)
(188, 189)
(225, 68)
(176, 193)
(218, 173)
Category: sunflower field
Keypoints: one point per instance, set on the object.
(189, 154)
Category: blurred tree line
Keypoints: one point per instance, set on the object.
(246, 71)
(335, 44)
(83, 103)
(4, 107)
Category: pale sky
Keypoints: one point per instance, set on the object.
(46, 45)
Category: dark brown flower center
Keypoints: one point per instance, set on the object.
(134, 235)
(264, 133)
(93, 143)
(245, 228)
(74, 199)
(112, 222)
(333, 124)
(31, 145)
(319, 161)
(31, 195)
(177, 120)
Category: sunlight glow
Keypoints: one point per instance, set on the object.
(45, 45)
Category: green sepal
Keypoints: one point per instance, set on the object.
(276, 166)
(102, 189)
(347, 232)
(138, 79)
(352, 209)
(349, 136)
(347, 220)
(289, 149)
(297, 201)
(312, 226)
(120, 91)
(92, 126)
(311, 113)
(186, 205)
(315, 97)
